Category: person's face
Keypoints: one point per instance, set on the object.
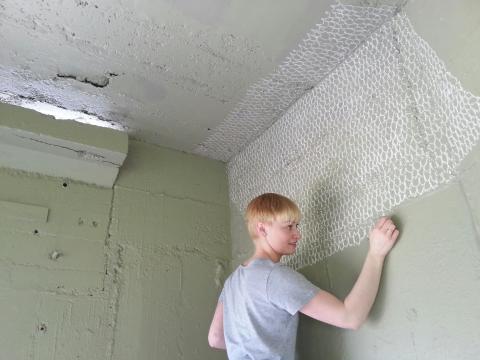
(282, 236)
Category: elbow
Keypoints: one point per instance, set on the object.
(212, 342)
(355, 324)
(215, 342)
(353, 321)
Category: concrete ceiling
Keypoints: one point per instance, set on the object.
(166, 71)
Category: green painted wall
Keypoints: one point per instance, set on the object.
(452, 29)
(170, 225)
(428, 305)
(53, 308)
(139, 265)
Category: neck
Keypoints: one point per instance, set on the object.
(265, 252)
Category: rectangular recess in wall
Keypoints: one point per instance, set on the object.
(23, 211)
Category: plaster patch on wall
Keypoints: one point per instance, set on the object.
(388, 124)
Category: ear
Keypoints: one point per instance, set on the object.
(260, 228)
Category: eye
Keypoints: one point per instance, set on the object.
(291, 226)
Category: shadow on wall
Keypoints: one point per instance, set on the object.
(316, 219)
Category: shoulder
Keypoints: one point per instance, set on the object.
(288, 289)
(283, 272)
(284, 279)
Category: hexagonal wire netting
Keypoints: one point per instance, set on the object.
(387, 122)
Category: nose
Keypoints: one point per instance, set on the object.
(296, 234)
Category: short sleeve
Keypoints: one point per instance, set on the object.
(222, 295)
(288, 289)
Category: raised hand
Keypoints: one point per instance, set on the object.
(382, 237)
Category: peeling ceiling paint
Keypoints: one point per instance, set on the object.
(168, 72)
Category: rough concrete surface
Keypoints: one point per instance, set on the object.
(166, 71)
(52, 282)
(172, 230)
(134, 272)
(128, 273)
(427, 306)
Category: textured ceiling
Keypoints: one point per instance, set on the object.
(168, 72)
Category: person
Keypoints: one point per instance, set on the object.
(257, 314)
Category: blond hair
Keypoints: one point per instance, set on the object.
(270, 207)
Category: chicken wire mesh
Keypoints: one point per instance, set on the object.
(389, 123)
(343, 29)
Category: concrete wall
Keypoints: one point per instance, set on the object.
(170, 225)
(452, 29)
(53, 308)
(427, 306)
(137, 268)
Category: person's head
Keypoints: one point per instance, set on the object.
(272, 222)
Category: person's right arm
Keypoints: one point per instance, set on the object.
(353, 311)
(216, 337)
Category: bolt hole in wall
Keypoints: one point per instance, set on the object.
(42, 328)
(81, 222)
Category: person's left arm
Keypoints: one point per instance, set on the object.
(353, 311)
(216, 338)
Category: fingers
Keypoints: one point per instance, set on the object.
(387, 225)
(380, 222)
(395, 235)
(390, 230)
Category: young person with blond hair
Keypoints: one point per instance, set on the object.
(257, 313)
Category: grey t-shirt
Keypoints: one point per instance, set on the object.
(260, 310)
